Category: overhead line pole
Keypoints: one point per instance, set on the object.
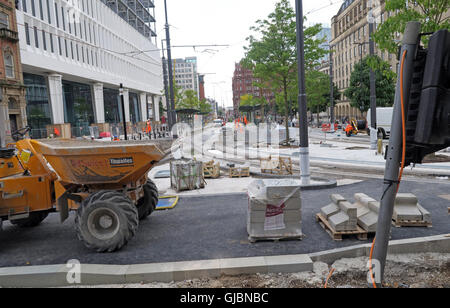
(302, 103)
(172, 116)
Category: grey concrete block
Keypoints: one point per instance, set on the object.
(405, 199)
(33, 276)
(336, 198)
(147, 273)
(329, 210)
(239, 266)
(341, 222)
(289, 264)
(426, 216)
(406, 212)
(368, 222)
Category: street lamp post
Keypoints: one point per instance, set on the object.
(172, 116)
(166, 81)
(302, 108)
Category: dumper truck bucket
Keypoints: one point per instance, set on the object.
(85, 162)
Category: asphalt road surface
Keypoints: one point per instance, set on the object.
(206, 228)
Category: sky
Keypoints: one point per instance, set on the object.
(224, 22)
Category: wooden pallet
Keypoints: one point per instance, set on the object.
(280, 165)
(411, 223)
(211, 170)
(240, 172)
(360, 233)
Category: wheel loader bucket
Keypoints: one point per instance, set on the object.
(85, 162)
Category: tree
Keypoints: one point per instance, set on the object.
(359, 90)
(272, 56)
(318, 91)
(205, 107)
(430, 13)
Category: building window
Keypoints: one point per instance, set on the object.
(41, 10)
(36, 38)
(24, 5)
(56, 15)
(51, 43)
(27, 34)
(33, 8)
(38, 107)
(48, 13)
(9, 64)
(44, 40)
(4, 21)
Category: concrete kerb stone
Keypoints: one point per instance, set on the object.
(432, 244)
(55, 275)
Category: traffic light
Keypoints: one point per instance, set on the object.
(428, 114)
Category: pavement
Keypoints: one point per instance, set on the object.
(207, 228)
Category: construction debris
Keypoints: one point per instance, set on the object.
(239, 172)
(274, 210)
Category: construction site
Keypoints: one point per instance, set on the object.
(210, 203)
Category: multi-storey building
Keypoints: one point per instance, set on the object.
(350, 43)
(244, 84)
(12, 90)
(76, 53)
(185, 73)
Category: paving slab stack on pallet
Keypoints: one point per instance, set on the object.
(367, 212)
(186, 175)
(408, 212)
(274, 210)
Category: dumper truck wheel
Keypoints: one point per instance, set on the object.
(147, 204)
(33, 220)
(106, 221)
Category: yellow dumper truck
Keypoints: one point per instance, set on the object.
(105, 183)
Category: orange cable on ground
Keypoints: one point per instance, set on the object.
(329, 276)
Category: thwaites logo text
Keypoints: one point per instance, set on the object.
(119, 162)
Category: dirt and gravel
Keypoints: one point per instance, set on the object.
(402, 271)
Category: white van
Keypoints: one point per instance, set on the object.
(384, 121)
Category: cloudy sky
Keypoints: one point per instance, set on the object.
(225, 22)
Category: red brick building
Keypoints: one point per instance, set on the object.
(12, 89)
(243, 84)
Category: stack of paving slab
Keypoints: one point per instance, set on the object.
(274, 210)
(340, 214)
(408, 212)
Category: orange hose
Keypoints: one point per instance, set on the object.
(329, 276)
(402, 100)
(370, 266)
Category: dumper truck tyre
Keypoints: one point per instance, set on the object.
(147, 204)
(106, 221)
(33, 220)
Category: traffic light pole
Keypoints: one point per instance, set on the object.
(394, 155)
